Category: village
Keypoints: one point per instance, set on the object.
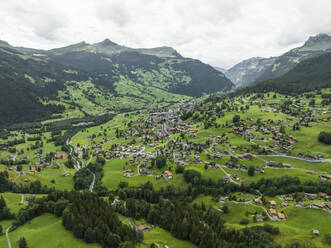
(156, 144)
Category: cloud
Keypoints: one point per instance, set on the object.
(219, 32)
(114, 11)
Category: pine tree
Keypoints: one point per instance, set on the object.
(22, 243)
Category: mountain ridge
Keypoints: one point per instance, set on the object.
(242, 75)
(98, 78)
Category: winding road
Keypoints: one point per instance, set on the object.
(92, 184)
(293, 157)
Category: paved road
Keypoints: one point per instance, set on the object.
(7, 236)
(293, 157)
(227, 174)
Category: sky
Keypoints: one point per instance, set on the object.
(218, 32)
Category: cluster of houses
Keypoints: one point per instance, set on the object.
(273, 212)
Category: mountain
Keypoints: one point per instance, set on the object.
(260, 69)
(220, 69)
(311, 74)
(97, 78)
(314, 46)
(247, 71)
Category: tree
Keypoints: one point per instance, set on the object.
(251, 170)
(226, 209)
(328, 238)
(324, 137)
(22, 243)
(89, 235)
(244, 221)
(236, 119)
(179, 169)
(1, 230)
(113, 240)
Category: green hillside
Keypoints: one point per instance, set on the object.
(311, 74)
(97, 78)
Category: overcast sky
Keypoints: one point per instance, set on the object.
(218, 32)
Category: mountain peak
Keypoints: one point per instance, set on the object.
(320, 38)
(4, 43)
(106, 43)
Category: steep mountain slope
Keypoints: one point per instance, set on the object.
(96, 78)
(247, 71)
(310, 74)
(314, 46)
(260, 69)
(220, 69)
(161, 67)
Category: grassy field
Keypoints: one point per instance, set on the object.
(13, 200)
(162, 237)
(113, 175)
(45, 176)
(45, 231)
(301, 222)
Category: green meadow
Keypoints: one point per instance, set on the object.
(45, 231)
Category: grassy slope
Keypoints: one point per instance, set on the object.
(45, 231)
(113, 175)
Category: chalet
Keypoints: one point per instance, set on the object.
(143, 228)
(310, 197)
(284, 204)
(31, 197)
(128, 173)
(286, 165)
(325, 177)
(272, 211)
(322, 195)
(315, 232)
(258, 201)
(273, 204)
(114, 203)
(318, 205)
(146, 171)
(288, 198)
(66, 174)
(167, 174)
(271, 164)
(61, 155)
(248, 156)
(300, 205)
(259, 217)
(281, 216)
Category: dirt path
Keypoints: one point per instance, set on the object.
(7, 236)
(92, 184)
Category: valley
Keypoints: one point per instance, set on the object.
(252, 162)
